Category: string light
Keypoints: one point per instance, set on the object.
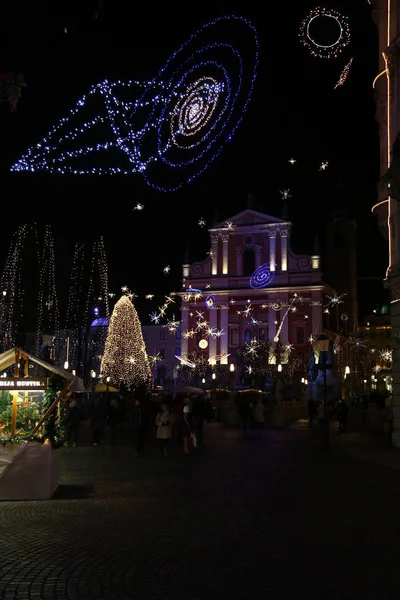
(344, 74)
(325, 50)
(47, 296)
(12, 291)
(180, 120)
(125, 358)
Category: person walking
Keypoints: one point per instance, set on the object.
(140, 422)
(98, 421)
(188, 431)
(164, 428)
(113, 418)
(259, 414)
(342, 414)
(72, 421)
(199, 413)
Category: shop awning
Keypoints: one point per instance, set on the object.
(7, 359)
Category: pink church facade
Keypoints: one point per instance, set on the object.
(240, 307)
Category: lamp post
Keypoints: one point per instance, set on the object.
(322, 344)
(232, 376)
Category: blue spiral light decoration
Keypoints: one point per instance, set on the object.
(262, 276)
(210, 301)
(169, 129)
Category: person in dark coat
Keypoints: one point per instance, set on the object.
(140, 420)
(113, 419)
(199, 413)
(72, 421)
(188, 430)
(342, 414)
(98, 421)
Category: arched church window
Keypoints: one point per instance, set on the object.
(248, 336)
(249, 262)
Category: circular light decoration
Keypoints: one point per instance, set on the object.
(210, 301)
(331, 48)
(203, 344)
(262, 277)
(168, 129)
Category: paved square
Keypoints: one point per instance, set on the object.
(263, 516)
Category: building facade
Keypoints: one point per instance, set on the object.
(375, 332)
(252, 286)
(386, 15)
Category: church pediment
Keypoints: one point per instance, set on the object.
(249, 217)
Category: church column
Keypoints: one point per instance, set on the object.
(316, 312)
(214, 249)
(284, 249)
(225, 254)
(284, 335)
(225, 333)
(184, 329)
(272, 250)
(238, 261)
(212, 340)
(271, 324)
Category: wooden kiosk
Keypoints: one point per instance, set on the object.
(29, 470)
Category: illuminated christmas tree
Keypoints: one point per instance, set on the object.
(125, 359)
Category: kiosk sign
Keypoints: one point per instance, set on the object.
(23, 384)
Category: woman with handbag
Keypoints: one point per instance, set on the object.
(164, 428)
(188, 431)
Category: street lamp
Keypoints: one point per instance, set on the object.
(322, 345)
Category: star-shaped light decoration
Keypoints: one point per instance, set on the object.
(201, 222)
(155, 358)
(139, 206)
(285, 194)
(155, 318)
(111, 295)
(323, 166)
(292, 161)
(149, 296)
(124, 288)
(230, 225)
(247, 310)
(208, 285)
(166, 269)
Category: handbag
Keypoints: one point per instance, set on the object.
(194, 439)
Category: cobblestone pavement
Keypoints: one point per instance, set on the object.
(244, 518)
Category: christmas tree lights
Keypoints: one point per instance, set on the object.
(125, 358)
(178, 121)
(327, 50)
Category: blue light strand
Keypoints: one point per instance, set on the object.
(184, 97)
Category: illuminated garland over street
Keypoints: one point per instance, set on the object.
(327, 50)
(344, 74)
(178, 121)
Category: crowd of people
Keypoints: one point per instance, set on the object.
(167, 418)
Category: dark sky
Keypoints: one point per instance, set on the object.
(295, 112)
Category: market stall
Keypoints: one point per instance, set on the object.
(32, 394)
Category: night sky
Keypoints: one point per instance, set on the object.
(295, 112)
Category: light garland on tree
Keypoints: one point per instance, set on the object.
(180, 120)
(125, 358)
(47, 296)
(12, 289)
(327, 50)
